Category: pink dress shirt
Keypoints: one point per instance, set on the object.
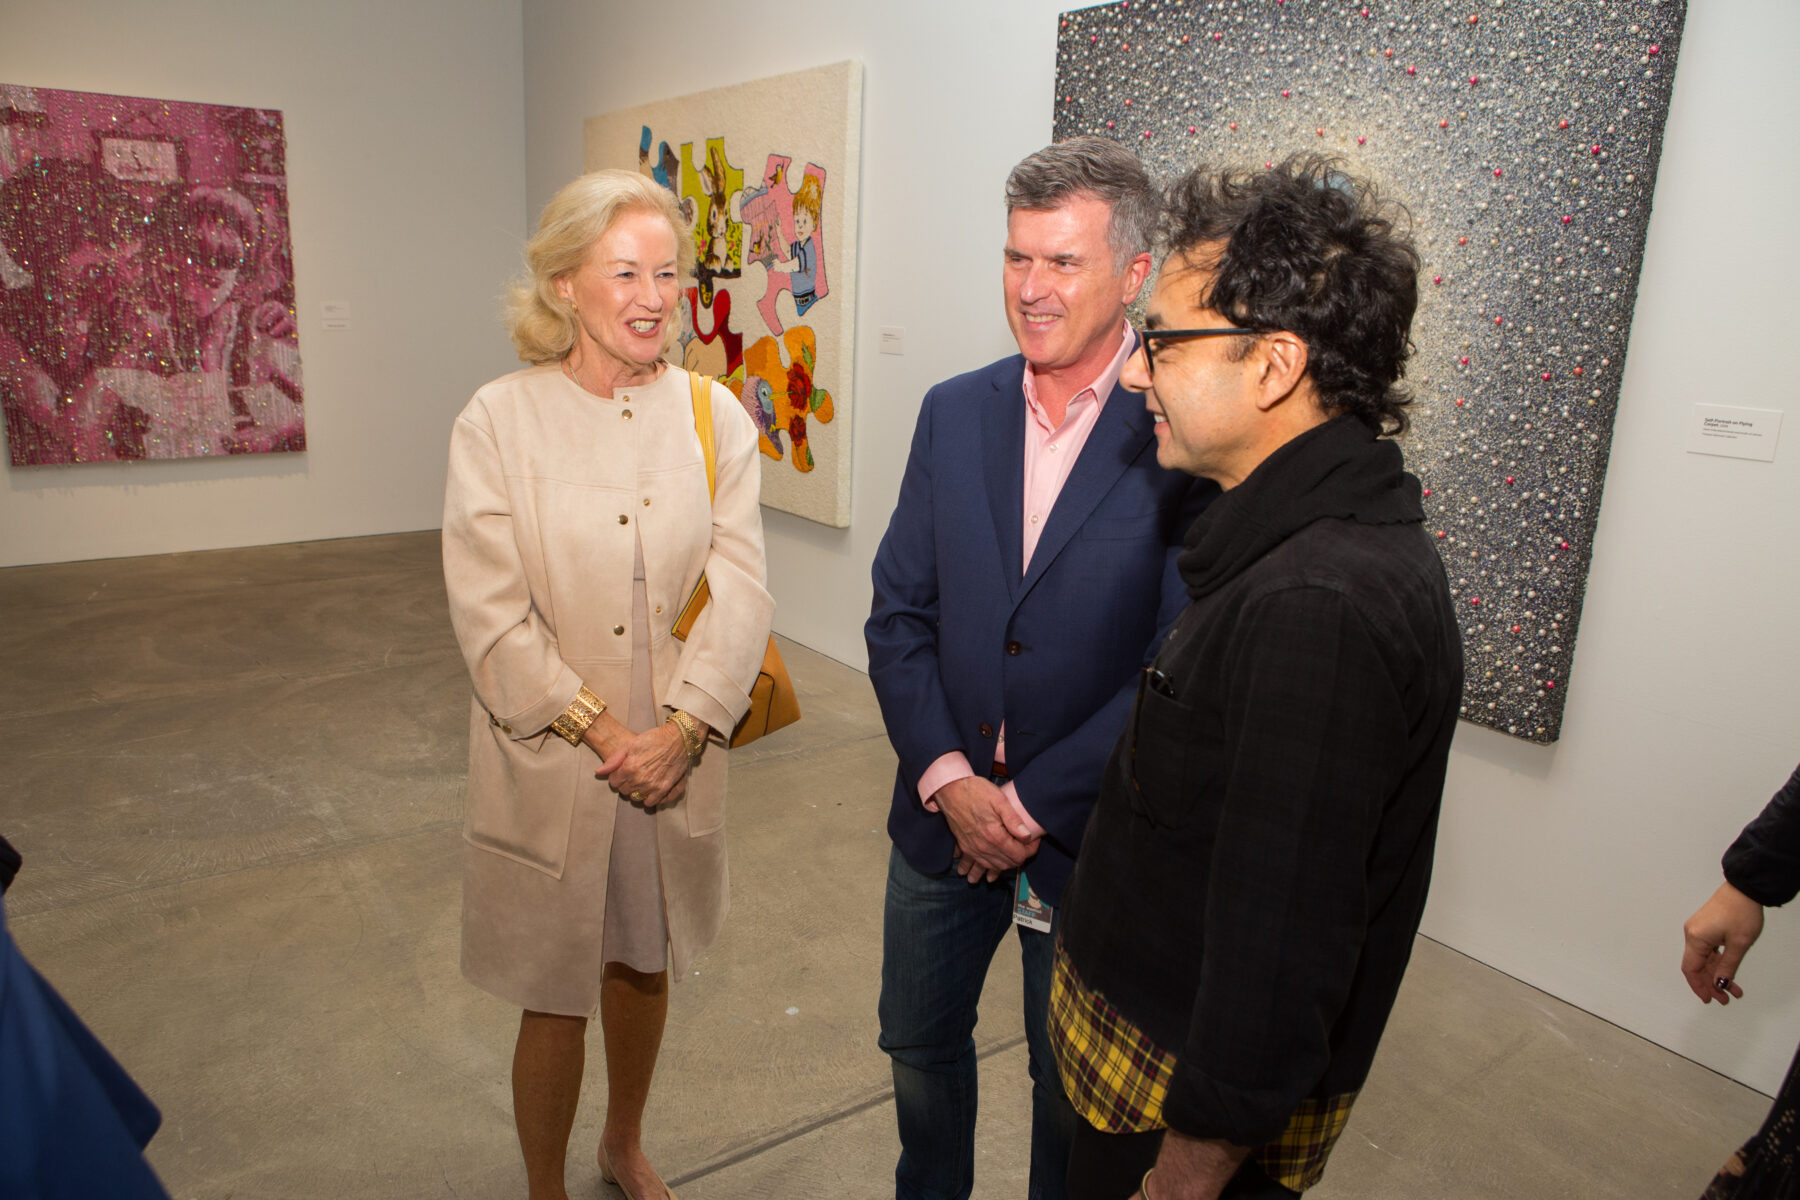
(1050, 453)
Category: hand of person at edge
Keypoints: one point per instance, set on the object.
(1717, 937)
(978, 814)
(650, 768)
(1189, 1168)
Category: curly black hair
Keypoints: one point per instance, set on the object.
(1308, 248)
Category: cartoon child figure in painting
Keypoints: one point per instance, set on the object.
(802, 271)
(803, 255)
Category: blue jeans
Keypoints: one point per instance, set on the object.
(938, 936)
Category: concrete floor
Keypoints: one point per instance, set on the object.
(236, 779)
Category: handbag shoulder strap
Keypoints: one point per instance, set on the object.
(701, 386)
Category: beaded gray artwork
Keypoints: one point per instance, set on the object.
(1524, 140)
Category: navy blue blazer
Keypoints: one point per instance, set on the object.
(960, 639)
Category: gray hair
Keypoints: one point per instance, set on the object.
(1091, 166)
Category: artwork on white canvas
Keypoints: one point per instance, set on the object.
(766, 174)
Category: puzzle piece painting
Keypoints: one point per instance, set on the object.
(771, 310)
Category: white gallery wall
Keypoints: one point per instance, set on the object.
(1573, 866)
(1569, 866)
(405, 161)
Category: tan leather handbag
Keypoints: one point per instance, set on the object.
(773, 702)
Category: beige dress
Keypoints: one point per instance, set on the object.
(548, 486)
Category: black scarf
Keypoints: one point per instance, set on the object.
(1338, 469)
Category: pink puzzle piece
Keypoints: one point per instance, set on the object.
(784, 235)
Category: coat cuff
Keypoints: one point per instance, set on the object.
(534, 720)
(1022, 824)
(694, 697)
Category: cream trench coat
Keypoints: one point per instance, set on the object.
(548, 486)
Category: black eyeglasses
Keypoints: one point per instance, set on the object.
(1149, 337)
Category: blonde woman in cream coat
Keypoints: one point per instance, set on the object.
(576, 522)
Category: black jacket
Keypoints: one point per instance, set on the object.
(1764, 862)
(1255, 870)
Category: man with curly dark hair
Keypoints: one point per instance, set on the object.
(1254, 872)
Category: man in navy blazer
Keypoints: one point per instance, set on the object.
(1026, 577)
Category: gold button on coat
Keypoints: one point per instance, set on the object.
(626, 414)
(624, 520)
(619, 629)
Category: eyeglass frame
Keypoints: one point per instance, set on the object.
(1146, 336)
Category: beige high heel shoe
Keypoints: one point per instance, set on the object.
(606, 1173)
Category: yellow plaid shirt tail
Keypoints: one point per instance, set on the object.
(1117, 1080)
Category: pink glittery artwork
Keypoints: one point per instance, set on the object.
(146, 280)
